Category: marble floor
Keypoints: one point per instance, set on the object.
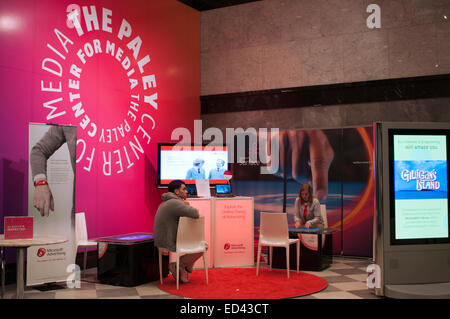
(346, 278)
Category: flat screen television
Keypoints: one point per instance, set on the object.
(191, 162)
(419, 174)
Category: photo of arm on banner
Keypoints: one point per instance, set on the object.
(294, 145)
(52, 140)
(335, 162)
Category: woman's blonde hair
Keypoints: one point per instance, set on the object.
(307, 188)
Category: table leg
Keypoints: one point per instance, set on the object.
(2, 254)
(20, 273)
(319, 250)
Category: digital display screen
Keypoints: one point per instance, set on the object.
(303, 230)
(189, 163)
(419, 185)
(128, 238)
(134, 237)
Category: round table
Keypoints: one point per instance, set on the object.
(21, 245)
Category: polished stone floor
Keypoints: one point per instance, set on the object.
(346, 278)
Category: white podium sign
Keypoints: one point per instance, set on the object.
(233, 232)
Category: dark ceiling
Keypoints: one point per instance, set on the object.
(202, 5)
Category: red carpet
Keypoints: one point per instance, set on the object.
(242, 283)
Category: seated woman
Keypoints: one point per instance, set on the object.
(307, 209)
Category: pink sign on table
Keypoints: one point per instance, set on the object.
(18, 227)
(233, 232)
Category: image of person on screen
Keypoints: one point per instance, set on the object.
(307, 209)
(196, 172)
(52, 140)
(217, 173)
(165, 228)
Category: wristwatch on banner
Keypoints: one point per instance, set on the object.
(40, 183)
(40, 180)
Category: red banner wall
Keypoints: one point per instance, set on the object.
(125, 72)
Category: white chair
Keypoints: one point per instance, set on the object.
(81, 237)
(273, 232)
(190, 240)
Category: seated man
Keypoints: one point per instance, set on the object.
(165, 228)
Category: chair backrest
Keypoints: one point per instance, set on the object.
(323, 213)
(80, 227)
(190, 232)
(273, 226)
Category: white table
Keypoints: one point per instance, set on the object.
(21, 245)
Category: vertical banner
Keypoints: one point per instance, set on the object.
(337, 163)
(52, 150)
(233, 231)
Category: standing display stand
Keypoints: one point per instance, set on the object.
(54, 164)
(411, 220)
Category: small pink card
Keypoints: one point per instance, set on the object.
(18, 227)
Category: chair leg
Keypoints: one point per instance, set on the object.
(287, 260)
(160, 266)
(298, 255)
(257, 260)
(206, 266)
(270, 259)
(2, 261)
(85, 258)
(178, 270)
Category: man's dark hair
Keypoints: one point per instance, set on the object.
(176, 184)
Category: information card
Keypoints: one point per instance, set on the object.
(18, 227)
